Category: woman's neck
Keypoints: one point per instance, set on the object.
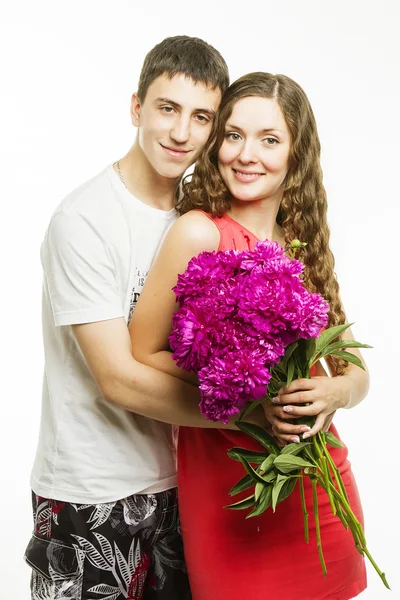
(259, 217)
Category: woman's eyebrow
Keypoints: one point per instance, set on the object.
(266, 130)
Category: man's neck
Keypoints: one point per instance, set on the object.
(144, 182)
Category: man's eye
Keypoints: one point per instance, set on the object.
(167, 109)
(202, 118)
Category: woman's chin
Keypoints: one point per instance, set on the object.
(246, 197)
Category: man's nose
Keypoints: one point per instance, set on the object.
(181, 130)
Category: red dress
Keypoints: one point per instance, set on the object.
(266, 557)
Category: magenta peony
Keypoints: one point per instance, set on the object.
(238, 312)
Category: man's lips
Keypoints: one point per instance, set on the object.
(247, 176)
(175, 152)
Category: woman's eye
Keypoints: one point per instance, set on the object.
(271, 141)
(234, 137)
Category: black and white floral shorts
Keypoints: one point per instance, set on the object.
(129, 549)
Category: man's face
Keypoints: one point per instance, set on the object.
(174, 122)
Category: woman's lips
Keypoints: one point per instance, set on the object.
(246, 176)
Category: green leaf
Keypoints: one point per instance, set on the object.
(250, 407)
(259, 434)
(294, 448)
(351, 358)
(241, 485)
(286, 463)
(290, 371)
(288, 353)
(281, 479)
(327, 336)
(310, 346)
(278, 368)
(250, 455)
(287, 489)
(343, 344)
(332, 440)
(267, 465)
(270, 476)
(246, 503)
(263, 503)
(258, 489)
(256, 477)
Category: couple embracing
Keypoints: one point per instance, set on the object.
(104, 482)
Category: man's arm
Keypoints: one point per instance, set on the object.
(133, 386)
(81, 278)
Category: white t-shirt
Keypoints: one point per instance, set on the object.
(96, 255)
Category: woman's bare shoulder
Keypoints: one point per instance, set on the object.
(194, 227)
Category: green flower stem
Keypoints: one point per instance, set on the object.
(316, 447)
(346, 515)
(342, 506)
(358, 534)
(308, 455)
(341, 515)
(343, 510)
(328, 480)
(304, 507)
(317, 527)
(336, 472)
(377, 569)
(357, 525)
(321, 468)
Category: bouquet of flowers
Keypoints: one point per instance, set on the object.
(247, 326)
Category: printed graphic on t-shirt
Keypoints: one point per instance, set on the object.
(138, 283)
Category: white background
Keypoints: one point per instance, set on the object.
(67, 72)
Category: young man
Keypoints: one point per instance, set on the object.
(104, 497)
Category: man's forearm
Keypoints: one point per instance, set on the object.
(136, 387)
(157, 395)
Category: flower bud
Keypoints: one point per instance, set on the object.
(297, 243)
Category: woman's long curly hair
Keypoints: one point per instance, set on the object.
(303, 210)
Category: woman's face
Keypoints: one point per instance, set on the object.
(253, 159)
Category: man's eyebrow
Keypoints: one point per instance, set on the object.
(177, 105)
(269, 130)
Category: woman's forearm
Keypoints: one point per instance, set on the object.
(358, 384)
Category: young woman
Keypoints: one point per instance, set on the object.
(259, 178)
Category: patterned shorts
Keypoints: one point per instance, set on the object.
(129, 549)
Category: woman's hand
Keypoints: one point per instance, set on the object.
(322, 397)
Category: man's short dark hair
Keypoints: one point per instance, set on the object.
(184, 55)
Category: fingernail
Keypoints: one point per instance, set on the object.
(296, 440)
(305, 436)
(288, 409)
(305, 428)
(276, 399)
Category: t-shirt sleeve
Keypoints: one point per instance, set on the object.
(80, 272)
